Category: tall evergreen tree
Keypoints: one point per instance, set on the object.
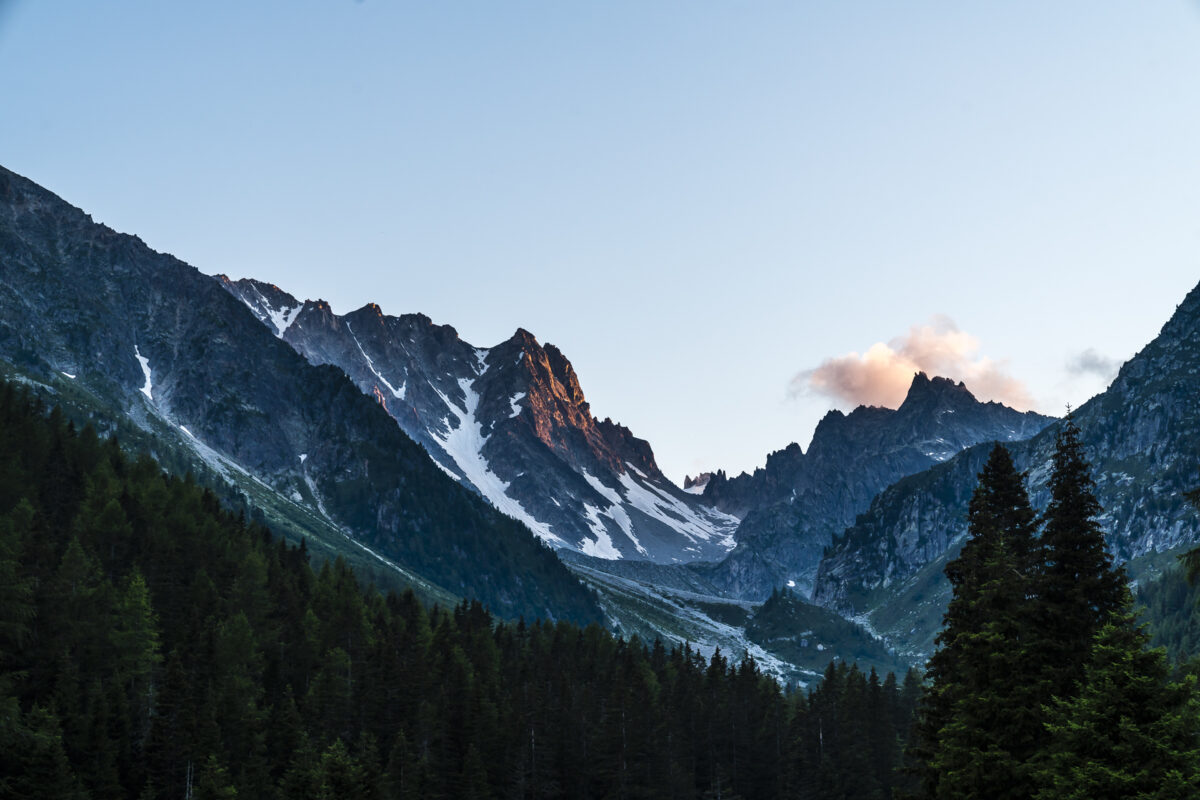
(17, 609)
(978, 721)
(1078, 587)
(134, 640)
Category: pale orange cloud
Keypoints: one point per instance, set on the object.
(881, 376)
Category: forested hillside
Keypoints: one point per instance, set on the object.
(154, 645)
(146, 340)
(1170, 606)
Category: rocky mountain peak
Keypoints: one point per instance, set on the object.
(560, 415)
(510, 421)
(547, 371)
(836, 431)
(937, 389)
(792, 508)
(276, 308)
(369, 314)
(566, 382)
(1140, 437)
(525, 339)
(193, 368)
(1176, 349)
(1184, 324)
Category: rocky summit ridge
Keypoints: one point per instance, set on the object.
(793, 507)
(139, 343)
(315, 418)
(511, 422)
(1142, 436)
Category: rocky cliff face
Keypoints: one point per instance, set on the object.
(1142, 436)
(795, 505)
(510, 422)
(155, 342)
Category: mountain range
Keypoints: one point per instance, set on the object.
(465, 471)
(509, 422)
(794, 505)
(138, 342)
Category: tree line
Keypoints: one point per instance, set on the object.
(154, 644)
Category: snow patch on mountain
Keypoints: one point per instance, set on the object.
(464, 441)
(708, 526)
(281, 318)
(145, 363)
(608, 494)
(454, 476)
(398, 393)
(616, 512)
(512, 401)
(602, 546)
(312, 487)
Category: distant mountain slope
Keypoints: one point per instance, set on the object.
(166, 347)
(509, 421)
(795, 505)
(1142, 436)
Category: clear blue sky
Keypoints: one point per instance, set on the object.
(696, 201)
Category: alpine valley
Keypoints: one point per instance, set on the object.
(476, 472)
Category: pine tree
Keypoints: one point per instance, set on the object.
(1130, 732)
(881, 730)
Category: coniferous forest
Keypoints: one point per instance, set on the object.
(156, 645)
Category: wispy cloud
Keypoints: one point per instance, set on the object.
(1090, 362)
(881, 375)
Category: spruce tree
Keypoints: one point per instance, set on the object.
(1078, 588)
(1130, 732)
(214, 782)
(134, 640)
(35, 763)
(17, 609)
(978, 722)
